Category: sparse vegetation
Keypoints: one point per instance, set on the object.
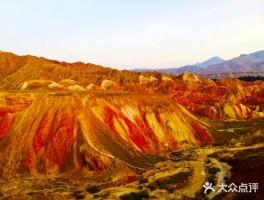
(142, 181)
(213, 170)
(92, 189)
(79, 195)
(135, 196)
(251, 78)
(170, 182)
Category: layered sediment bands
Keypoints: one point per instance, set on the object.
(223, 99)
(227, 98)
(69, 133)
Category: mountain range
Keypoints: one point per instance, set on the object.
(245, 64)
(82, 130)
(212, 61)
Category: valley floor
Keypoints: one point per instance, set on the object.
(181, 176)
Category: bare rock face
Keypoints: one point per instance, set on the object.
(110, 85)
(187, 76)
(76, 88)
(143, 79)
(71, 133)
(165, 78)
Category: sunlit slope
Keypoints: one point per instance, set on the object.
(39, 72)
(72, 132)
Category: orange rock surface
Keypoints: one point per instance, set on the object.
(65, 118)
(70, 132)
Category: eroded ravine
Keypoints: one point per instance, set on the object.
(201, 170)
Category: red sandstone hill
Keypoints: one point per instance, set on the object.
(70, 118)
(225, 98)
(59, 118)
(65, 134)
(16, 70)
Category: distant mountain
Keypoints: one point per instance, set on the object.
(178, 71)
(191, 68)
(212, 61)
(253, 62)
(244, 65)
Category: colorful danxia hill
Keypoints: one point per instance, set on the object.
(113, 128)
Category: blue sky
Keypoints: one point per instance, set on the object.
(132, 34)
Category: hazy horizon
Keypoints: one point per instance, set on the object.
(128, 35)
